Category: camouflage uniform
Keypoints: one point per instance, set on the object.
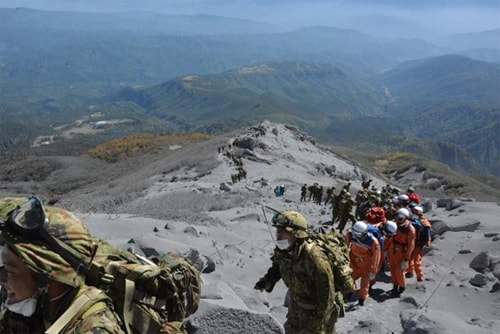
(47, 266)
(303, 193)
(308, 275)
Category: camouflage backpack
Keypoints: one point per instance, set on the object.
(147, 293)
(333, 244)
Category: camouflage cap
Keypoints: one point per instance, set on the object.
(63, 225)
(293, 222)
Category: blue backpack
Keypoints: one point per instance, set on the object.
(377, 233)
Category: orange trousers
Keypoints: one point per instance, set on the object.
(361, 269)
(396, 256)
(415, 264)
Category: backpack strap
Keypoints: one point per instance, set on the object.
(90, 300)
(129, 307)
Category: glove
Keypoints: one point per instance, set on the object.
(260, 285)
(404, 265)
(371, 276)
(174, 327)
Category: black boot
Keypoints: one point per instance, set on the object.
(395, 291)
(361, 302)
(401, 290)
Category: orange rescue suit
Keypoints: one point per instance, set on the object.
(365, 258)
(401, 249)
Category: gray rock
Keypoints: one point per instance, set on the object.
(495, 287)
(495, 268)
(427, 206)
(470, 227)
(478, 280)
(420, 324)
(204, 263)
(218, 319)
(209, 266)
(224, 187)
(480, 262)
(438, 227)
(191, 230)
(443, 202)
(410, 300)
(454, 204)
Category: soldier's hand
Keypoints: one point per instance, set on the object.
(260, 285)
(371, 276)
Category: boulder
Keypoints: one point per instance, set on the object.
(480, 262)
(224, 187)
(453, 204)
(443, 202)
(478, 280)
(438, 227)
(495, 287)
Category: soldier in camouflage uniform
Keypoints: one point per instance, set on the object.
(345, 205)
(39, 283)
(306, 272)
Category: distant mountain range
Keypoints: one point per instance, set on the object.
(81, 79)
(440, 107)
(93, 52)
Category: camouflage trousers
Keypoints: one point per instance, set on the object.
(299, 319)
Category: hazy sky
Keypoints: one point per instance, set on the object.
(436, 16)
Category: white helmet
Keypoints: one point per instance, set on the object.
(404, 198)
(402, 214)
(390, 227)
(359, 228)
(395, 199)
(417, 209)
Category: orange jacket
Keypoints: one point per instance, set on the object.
(404, 238)
(368, 250)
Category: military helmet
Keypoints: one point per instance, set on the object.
(69, 232)
(291, 221)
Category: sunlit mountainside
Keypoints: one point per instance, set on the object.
(70, 81)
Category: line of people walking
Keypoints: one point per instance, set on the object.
(401, 242)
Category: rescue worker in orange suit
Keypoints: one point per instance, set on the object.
(422, 239)
(400, 252)
(388, 230)
(364, 254)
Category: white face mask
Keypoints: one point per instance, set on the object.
(282, 244)
(25, 307)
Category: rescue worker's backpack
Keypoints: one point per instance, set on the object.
(376, 215)
(377, 233)
(146, 293)
(333, 244)
(422, 232)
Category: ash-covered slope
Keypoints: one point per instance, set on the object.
(192, 202)
(197, 179)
